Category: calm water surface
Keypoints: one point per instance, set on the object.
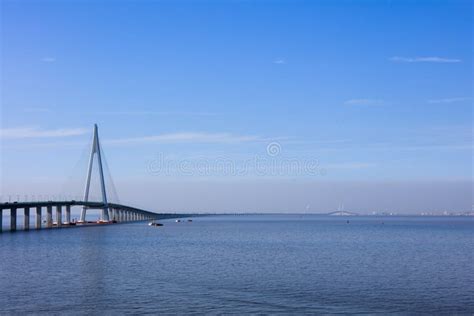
(244, 264)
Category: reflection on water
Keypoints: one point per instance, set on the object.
(244, 264)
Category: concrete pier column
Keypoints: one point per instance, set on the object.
(49, 216)
(13, 219)
(26, 219)
(59, 215)
(1, 220)
(38, 217)
(129, 216)
(121, 215)
(68, 214)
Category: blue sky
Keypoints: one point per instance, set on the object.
(372, 90)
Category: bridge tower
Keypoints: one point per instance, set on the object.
(95, 150)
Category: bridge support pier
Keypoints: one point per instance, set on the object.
(13, 219)
(49, 216)
(1, 220)
(59, 215)
(38, 217)
(68, 214)
(26, 219)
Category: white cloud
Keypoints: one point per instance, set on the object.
(163, 113)
(363, 102)
(48, 59)
(32, 132)
(187, 137)
(348, 165)
(449, 100)
(279, 61)
(36, 110)
(430, 59)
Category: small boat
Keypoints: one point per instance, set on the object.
(154, 224)
(190, 220)
(178, 221)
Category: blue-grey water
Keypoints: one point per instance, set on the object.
(244, 264)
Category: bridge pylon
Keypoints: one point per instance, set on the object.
(95, 150)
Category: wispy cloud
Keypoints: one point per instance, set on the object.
(364, 102)
(348, 165)
(430, 59)
(162, 113)
(187, 137)
(36, 110)
(449, 100)
(48, 59)
(33, 132)
(279, 61)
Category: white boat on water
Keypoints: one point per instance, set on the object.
(153, 223)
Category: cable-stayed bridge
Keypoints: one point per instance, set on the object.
(110, 213)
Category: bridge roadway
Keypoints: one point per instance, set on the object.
(117, 212)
